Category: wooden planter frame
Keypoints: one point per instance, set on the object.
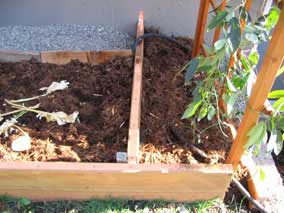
(67, 181)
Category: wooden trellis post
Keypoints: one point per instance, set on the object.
(200, 27)
(271, 63)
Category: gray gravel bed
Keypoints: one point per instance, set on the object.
(62, 37)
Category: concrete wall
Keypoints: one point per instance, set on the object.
(172, 16)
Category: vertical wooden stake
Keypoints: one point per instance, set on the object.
(271, 63)
(135, 113)
(200, 27)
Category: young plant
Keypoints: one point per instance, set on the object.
(214, 68)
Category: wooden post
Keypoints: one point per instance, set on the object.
(135, 113)
(271, 63)
(200, 27)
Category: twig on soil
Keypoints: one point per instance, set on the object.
(195, 150)
(54, 86)
(248, 196)
(60, 117)
(153, 115)
(18, 110)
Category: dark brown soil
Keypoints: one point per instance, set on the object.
(101, 94)
(164, 100)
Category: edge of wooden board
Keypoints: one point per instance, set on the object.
(63, 57)
(79, 181)
(136, 98)
(96, 57)
(17, 56)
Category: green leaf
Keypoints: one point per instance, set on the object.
(203, 112)
(245, 63)
(276, 94)
(253, 58)
(217, 20)
(272, 18)
(24, 202)
(256, 135)
(211, 113)
(191, 109)
(231, 85)
(231, 103)
(234, 34)
(278, 146)
(220, 44)
(205, 68)
(279, 105)
(191, 69)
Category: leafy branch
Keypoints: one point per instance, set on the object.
(214, 68)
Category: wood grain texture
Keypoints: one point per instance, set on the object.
(17, 56)
(69, 181)
(64, 57)
(271, 63)
(200, 27)
(136, 98)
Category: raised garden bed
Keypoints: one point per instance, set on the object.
(101, 93)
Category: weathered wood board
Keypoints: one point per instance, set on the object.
(69, 181)
(16, 56)
(96, 57)
(136, 98)
(63, 57)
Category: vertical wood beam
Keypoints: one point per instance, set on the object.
(135, 113)
(271, 63)
(200, 27)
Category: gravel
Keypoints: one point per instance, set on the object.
(62, 37)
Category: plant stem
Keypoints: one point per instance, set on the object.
(10, 113)
(25, 99)
(218, 113)
(19, 128)
(181, 70)
(209, 127)
(24, 108)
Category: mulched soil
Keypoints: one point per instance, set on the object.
(165, 137)
(101, 94)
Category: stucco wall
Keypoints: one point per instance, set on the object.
(172, 16)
